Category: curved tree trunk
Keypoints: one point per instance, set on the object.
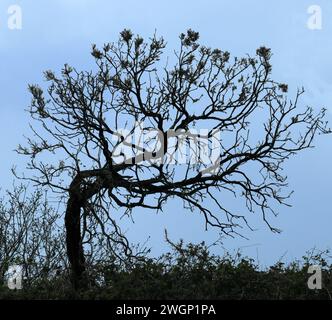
(73, 239)
(77, 200)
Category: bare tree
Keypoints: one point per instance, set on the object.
(30, 235)
(225, 109)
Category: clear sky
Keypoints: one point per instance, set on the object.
(55, 32)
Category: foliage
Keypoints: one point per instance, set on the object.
(188, 272)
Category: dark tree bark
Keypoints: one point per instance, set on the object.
(74, 238)
(76, 203)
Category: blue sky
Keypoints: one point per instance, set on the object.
(55, 32)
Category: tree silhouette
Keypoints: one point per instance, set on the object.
(212, 124)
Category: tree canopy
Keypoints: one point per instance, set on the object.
(211, 123)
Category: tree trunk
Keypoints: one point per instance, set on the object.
(73, 240)
(77, 200)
